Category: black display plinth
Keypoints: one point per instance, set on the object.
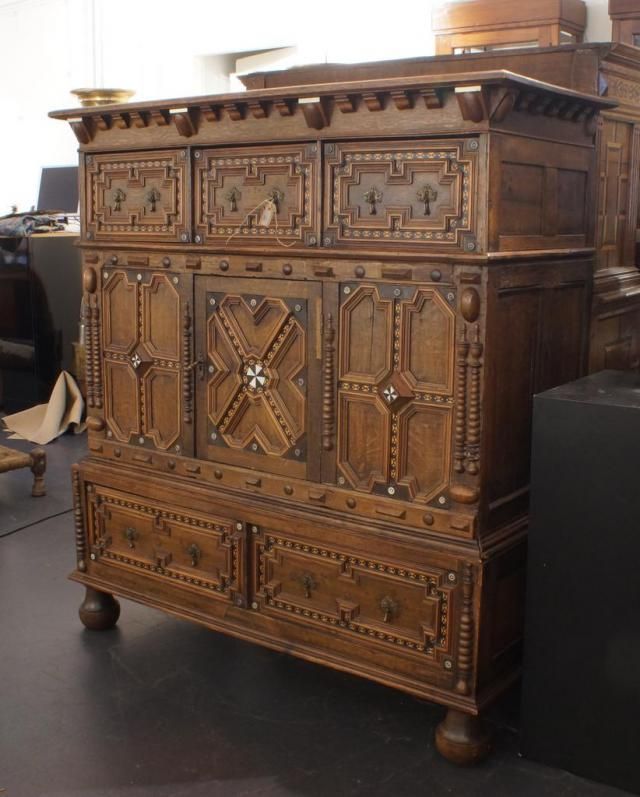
(581, 688)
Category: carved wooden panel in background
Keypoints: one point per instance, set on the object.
(395, 389)
(137, 196)
(233, 184)
(614, 194)
(414, 193)
(142, 339)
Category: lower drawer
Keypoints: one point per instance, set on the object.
(205, 552)
(398, 610)
(375, 599)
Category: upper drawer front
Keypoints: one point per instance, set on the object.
(414, 193)
(203, 551)
(233, 187)
(137, 196)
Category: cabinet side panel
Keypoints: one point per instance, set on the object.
(541, 194)
(536, 339)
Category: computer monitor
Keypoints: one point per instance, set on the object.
(58, 189)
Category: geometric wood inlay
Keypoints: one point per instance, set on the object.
(256, 354)
(204, 552)
(233, 185)
(395, 387)
(142, 339)
(406, 192)
(136, 195)
(406, 608)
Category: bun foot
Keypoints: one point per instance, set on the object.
(461, 739)
(99, 611)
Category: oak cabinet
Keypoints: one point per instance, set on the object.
(315, 327)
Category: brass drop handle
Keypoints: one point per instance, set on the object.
(130, 535)
(276, 196)
(427, 194)
(389, 608)
(232, 196)
(118, 198)
(152, 196)
(372, 197)
(308, 583)
(195, 554)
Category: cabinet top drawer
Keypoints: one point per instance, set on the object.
(139, 196)
(266, 194)
(408, 193)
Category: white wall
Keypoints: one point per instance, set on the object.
(164, 49)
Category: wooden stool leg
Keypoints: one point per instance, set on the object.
(99, 611)
(461, 739)
(38, 467)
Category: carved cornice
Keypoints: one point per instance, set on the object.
(482, 97)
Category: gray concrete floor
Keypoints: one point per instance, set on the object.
(162, 708)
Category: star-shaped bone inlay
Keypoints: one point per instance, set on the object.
(136, 361)
(390, 394)
(254, 375)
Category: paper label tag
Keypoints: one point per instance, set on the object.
(267, 214)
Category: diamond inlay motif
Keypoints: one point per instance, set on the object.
(390, 394)
(136, 361)
(255, 376)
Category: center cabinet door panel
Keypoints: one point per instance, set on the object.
(258, 394)
(395, 389)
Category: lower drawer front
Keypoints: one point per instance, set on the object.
(203, 551)
(375, 601)
(395, 610)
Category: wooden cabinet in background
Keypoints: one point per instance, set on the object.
(625, 16)
(478, 25)
(311, 366)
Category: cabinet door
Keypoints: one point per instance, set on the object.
(258, 394)
(146, 343)
(395, 389)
